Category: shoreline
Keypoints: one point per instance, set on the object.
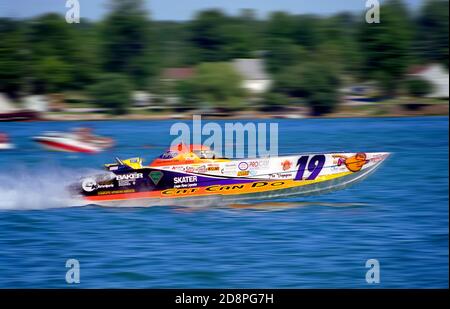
(209, 117)
(344, 111)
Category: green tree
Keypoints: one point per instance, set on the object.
(68, 49)
(432, 37)
(308, 31)
(339, 42)
(112, 91)
(52, 74)
(386, 46)
(207, 35)
(216, 37)
(280, 25)
(215, 85)
(13, 68)
(172, 41)
(272, 101)
(418, 87)
(86, 58)
(126, 42)
(187, 91)
(55, 44)
(239, 41)
(282, 53)
(314, 81)
(320, 84)
(290, 81)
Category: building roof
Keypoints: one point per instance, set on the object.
(250, 69)
(178, 73)
(417, 69)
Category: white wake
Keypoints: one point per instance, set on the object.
(40, 187)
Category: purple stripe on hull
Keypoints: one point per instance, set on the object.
(203, 180)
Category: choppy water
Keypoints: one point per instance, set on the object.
(399, 216)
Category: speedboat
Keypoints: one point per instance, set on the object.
(80, 140)
(194, 173)
(5, 144)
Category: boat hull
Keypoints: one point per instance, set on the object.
(230, 181)
(67, 143)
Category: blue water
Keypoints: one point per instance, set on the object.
(399, 216)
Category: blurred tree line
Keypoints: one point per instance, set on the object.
(307, 56)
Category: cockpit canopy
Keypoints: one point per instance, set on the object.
(185, 154)
(202, 152)
(169, 154)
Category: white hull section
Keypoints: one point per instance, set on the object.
(68, 143)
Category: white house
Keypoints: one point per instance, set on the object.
(5, 104)
(436, 75)
(141, 98)
(256, 80)
(37, 103)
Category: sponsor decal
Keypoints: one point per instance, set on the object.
(155, 176)
(253, 172)
(377, 158)
(335, 168)
(130, 176)
(243, 166)
(286, 165)
(185, 182)
(353, 163)
(243, 173)
(189, 169)
(128, 179)
(213, 168)
(184, 179)
(89, 185)
(201, 169)
(228, 171)
(229, 168)
(258, 164)
(116, 192)
(178, 168)
(105, 186)
(282, 175)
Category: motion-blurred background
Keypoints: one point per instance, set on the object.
(248, 59)
(269, 60)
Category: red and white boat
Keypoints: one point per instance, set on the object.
(80, 140)
(4, 142)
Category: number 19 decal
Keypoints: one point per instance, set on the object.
(315, 165)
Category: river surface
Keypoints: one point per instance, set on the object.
(398, 216)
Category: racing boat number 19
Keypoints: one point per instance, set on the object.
(315, 165)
